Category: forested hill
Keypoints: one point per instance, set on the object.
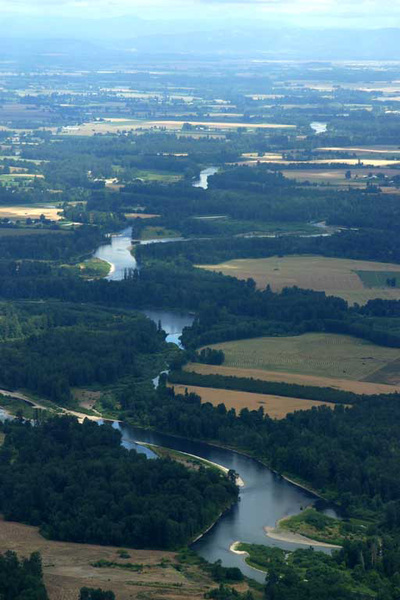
(77, 483)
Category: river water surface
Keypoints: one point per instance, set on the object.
(202, 181)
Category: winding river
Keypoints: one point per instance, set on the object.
(265, 497)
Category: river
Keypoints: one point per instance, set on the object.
(265, 497)
(118, 254)
(319, 127)
(202, 181)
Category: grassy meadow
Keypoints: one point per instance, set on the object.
(313, 354)
(336, 276)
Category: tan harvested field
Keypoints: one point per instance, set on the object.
(277, 407)
(113, 125)
(358, 387)
(335, 276)
(317, 354)
(140, 216)
(17, 175)
(67, 568)
(352, 162)
(33, 212)
(331, 176)
(362, 149)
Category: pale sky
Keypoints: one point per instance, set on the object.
(370, 13)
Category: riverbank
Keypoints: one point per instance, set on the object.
(161, 450)
(234, 548)
(280, 534)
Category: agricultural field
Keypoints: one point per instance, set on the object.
(332, 177)
(277, 407)
(358, 387)
(68, 567)
(335, 276)
(113, 125)
(22, 231)
(139, 215)
(380, 279)
(351, 162)
(30, 212)
(316, 354)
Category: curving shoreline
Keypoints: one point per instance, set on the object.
(246, 555)
(283, 535)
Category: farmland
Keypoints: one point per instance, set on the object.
(358, 387)
(113, 125)
(277, 407)
(68, 567)
(335, 276)
(313, 354)
(30, 212)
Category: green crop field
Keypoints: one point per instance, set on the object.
(380, 279)
(318, 354)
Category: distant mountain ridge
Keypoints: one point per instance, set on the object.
(121, 40)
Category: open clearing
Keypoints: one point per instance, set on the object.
(277, 407)
(67, 568)
(30, 212)
(335, 276)
(319, 354)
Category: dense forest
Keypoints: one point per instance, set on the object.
(50, 348)
(21, 579)
(77, 483)
(52, 246)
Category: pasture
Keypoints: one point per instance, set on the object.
(277, 407)
(335, 276)
(316, 354)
